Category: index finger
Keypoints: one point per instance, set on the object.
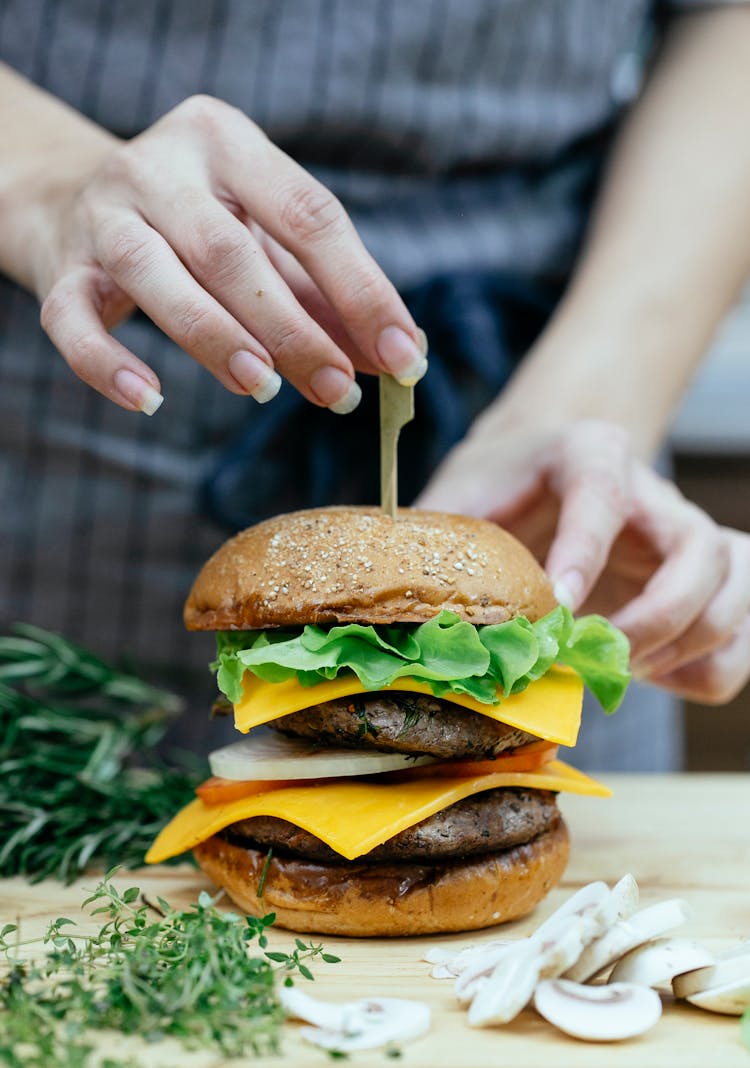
(307, 220)
(592, 477)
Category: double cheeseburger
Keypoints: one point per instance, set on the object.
(403, 686)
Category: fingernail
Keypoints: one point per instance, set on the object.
(423, 344)
(569, 589)
(402, 357)
(255, 376)
(335, 389)
(137, 391)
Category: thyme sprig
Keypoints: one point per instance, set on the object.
(81, 782)
(193, 974)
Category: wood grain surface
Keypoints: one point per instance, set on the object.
(684, 835)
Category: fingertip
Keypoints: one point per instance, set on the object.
(334, 389)
(151, 402)
(348, 402)
(569, 589)
(254, 376)
(137, 392)
(401, 356)
(563, 595)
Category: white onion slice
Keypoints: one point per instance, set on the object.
(265, 754)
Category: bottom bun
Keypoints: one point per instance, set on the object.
(390, 899)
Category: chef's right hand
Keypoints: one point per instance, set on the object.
(247, 262)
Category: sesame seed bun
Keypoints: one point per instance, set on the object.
(346, 565)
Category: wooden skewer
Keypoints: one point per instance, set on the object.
(396, 410)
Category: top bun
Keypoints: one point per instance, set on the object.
(347, 565)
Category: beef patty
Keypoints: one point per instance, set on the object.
(485, 823)
(405, 722)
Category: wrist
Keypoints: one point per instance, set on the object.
(612, 353)
(51, 151)
(52, 222)
(35, 212)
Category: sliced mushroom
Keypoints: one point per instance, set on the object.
(625, 935)
(450, 963)
(439, 955)
(303, 1007)
(564, 944)
(589, 915)
(509, 988)
(357, 1025)
(722, 987)
(480, 966)
(732, 998)
(598, 1013)
(658, 962)
(589, 898)
(624, 898)
(442, 960)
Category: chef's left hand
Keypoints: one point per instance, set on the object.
(616, 538)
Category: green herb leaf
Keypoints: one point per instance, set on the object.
(264, 873)
(81, 782)
(451, 655)
(190, 975)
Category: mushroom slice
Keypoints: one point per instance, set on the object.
(480, 967)
(658, 962)
(449, 963)
(439, 955)
(598, 1013)
(563, 944)
(357, 1025)
(624, 898)
(722, 987)
(588, 899)
(509, 988)
(442, 961)
(625, 935)
(597, 905)
(732, 998)
(311, 1010)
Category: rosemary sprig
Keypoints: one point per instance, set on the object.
(80, 780)
(188, 974)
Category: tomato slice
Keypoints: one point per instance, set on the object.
(217, 791)
(525, 758)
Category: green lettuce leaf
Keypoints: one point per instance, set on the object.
(451, 655)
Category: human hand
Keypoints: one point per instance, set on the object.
(616, 538)
(241, 257)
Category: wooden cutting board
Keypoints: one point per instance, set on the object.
(682, 835)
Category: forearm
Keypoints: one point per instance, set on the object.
(46, 145)
(668, 248)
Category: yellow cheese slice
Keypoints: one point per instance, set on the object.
(550, 708)
(353, 815)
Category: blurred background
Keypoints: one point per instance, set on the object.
(710, 447)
